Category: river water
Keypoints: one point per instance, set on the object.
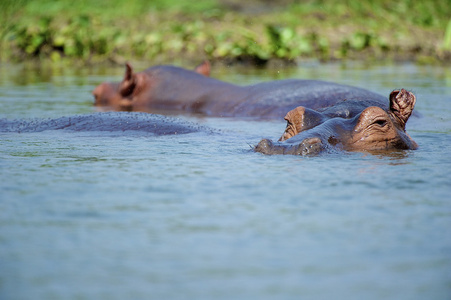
(127, 215)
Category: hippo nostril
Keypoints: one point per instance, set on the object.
(264, 146)
(310, 146)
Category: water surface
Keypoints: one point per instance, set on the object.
(127, 215)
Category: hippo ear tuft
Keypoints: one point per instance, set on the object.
(295, 120)
(204, 68)
(128, 71)
(402, 103)
(128, 83)
(296, 117)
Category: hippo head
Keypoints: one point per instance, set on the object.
(310, 132)
(120, 95)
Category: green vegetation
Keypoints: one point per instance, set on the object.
(256, 31)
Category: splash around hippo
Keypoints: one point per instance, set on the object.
(309, 132)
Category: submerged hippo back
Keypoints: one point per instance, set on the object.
(106, 122)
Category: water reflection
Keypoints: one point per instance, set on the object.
(63, 74)
(395, 156)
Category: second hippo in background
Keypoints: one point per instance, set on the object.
(172, 89)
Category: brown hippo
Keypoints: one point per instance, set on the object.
(173, 89)
(321, 114)
(309, 132)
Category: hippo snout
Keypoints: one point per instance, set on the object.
(267, 147)
(309, 146)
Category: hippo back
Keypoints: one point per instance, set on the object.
(274, 99)
(106, 122)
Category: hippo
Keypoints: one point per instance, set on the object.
(169, 89)
(106, 122)
(309, 132)
(321, 115)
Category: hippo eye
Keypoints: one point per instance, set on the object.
(380, 122)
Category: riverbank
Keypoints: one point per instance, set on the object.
(257, 32)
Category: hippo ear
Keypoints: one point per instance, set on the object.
(203, 68)
(295, 120)
(402, 103)
(128, 84)
(301, 119)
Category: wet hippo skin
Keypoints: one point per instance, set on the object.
(373, 129)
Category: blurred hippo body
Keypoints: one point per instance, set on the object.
(169, 88)
(373, 129)
(112, 122)
(320, 114)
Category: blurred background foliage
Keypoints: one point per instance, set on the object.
(255, 31)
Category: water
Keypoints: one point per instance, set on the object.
(98, 215)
